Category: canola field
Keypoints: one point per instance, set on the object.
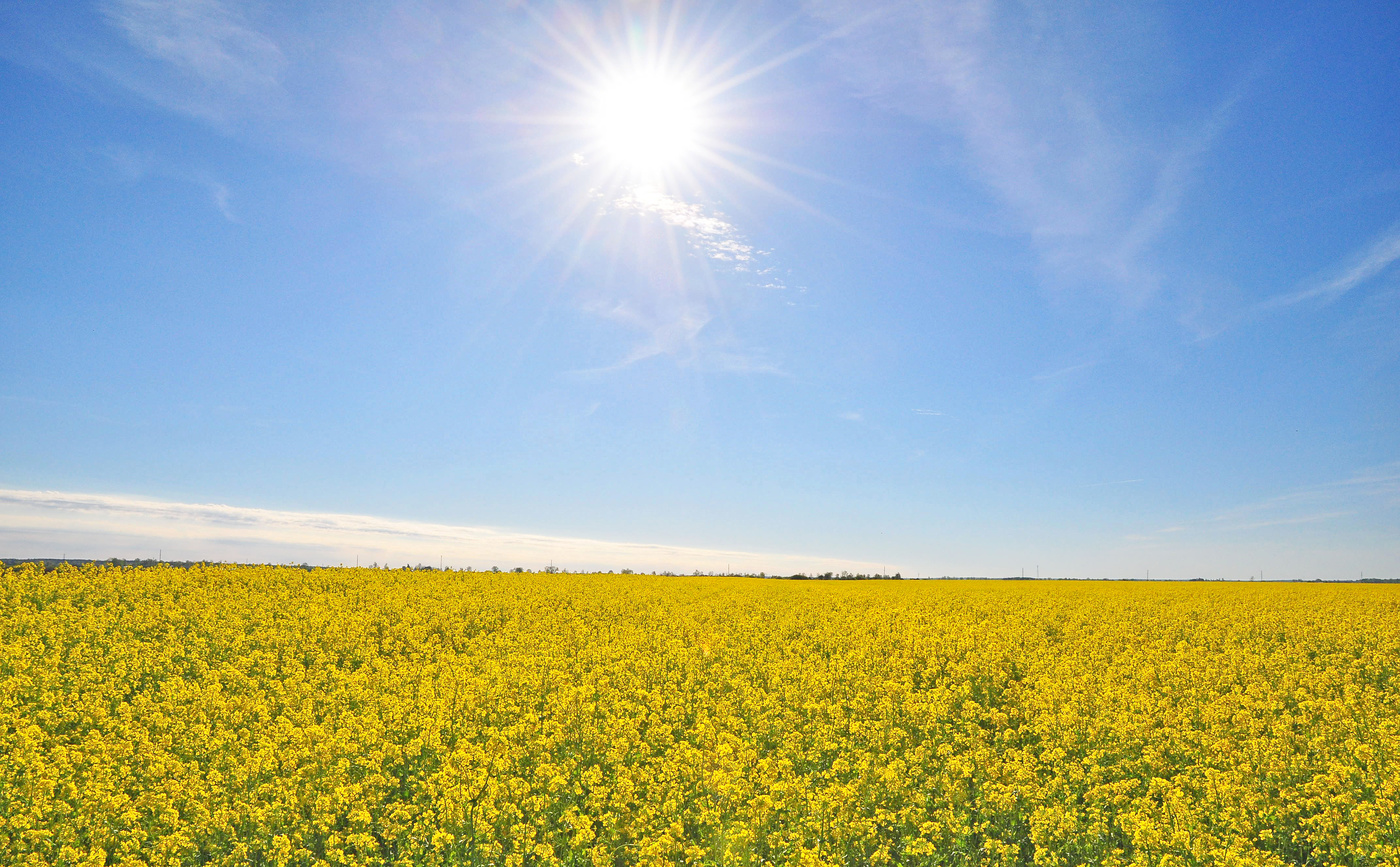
(238, 715)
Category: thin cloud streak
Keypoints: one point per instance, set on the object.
(1331, 531)
(1363, 266)
(1093, 191)
(134, 167)
(675, 334)
(48, 523)
(709, 234)
(203, 39)
(1370, 492)
(674, 319)
(1300, 519)
(1063, 371)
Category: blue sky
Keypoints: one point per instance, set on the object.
(947, 288)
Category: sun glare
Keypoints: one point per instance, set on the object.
(646, 122)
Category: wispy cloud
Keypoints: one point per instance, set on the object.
(204, 39)
(674, 304)
(1048, 375)
(1039, 124)
(672, 330)
(1370, 492)
(134, 166)
(1332, 530)
(1369, 262)
(719, 360)
(49, 523)
(710, 234)
(1315, 518)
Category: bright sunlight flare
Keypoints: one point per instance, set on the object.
(646, 122)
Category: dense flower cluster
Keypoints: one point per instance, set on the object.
(281, 716)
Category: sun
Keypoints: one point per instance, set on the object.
(646, 122)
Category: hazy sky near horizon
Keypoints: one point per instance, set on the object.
(951, 287)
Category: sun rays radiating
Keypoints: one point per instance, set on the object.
(634, 140)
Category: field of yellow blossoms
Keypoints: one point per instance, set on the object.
(257, 715)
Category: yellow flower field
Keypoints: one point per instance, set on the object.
(241, 715)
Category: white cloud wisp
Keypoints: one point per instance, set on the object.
(1039, 121)
(1368, 263)
(98, 526)
(204, 39)
(709, 234)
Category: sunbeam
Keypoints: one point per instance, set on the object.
(635, 142)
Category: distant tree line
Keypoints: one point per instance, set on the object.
(836, 576)
(51, 563)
